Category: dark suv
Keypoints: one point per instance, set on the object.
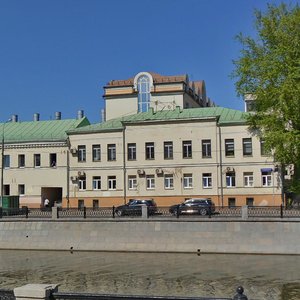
(134, 207)
(201, 206)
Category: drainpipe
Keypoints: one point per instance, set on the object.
(68, 179)
(124, 164)
(221, 166)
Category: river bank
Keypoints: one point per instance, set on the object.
(201, 236)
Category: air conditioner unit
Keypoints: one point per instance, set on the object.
(159, 171)
(74, 178)
(81, 174)
(141, 172)
(73, 150)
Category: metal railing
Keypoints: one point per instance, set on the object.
(234, 212)
(6, 294)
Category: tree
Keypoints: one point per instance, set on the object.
(269, 69)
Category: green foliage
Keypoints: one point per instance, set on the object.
(269, 69)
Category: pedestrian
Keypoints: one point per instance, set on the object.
(46, 202)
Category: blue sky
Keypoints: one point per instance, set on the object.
(56, 55)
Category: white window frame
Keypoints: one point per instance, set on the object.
(169, 181)
(230, 179)
(111, 152)
(168, 150)
(149, 151)
(131, 151)
(132, 182)
(96, 183)
(248, 179)
(207, 180)
(150, 182)
(21, 161)
(206, 148)
(229, 147)
(96, 150)
(6, 161)
(247, 147)
(266, 178)
(112, 183)
(81, 153)
(82, 184)
(37, 157)
(21, 186)
(187, 150)
(188, 181)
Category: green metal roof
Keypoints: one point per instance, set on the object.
(39, 131)
(224, 116)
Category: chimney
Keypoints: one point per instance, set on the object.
(102, 115)
(14, 118)
(36, 117)
(80, 114)
(58, 115)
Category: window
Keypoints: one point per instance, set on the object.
(150, 182)
(111, 152)
(230, 179)
(132, 182)
(263, 151)
(81, 153)
(131, 151)
(6, 190)
(149, 150)
(112, 182)
(266, 178)
(206, 180)
(95, 203)
(187, 181)
(82, 183)
(80, 204)
(248, 179)
(21, 189)
(96, 182)
(231, 202)
(96, 149)
(143, 87)
(168, 150)
(250, 201)
(6, 161)
(21, 160)
(187, 149)
(247, 146)
(37, 160)
(169, 181)
(229, 147)
(206, 148)
(53, 161)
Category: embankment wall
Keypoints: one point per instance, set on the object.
(258, 237)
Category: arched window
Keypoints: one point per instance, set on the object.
(143, 87)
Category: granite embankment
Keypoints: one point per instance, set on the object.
(207, 236)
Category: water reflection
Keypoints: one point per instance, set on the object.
(263, 277)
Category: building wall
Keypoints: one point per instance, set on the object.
(177, 132)
(36, 180)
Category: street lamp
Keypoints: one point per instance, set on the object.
(2, 160)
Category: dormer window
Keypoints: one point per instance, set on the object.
(143, 87)
(143, 82)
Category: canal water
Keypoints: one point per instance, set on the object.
(264, 277)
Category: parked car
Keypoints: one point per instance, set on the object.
(134, 207)
(201, 206)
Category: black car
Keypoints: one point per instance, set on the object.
(134, 207)
(201, 206)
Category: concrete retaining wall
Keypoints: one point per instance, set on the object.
(261, 237)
